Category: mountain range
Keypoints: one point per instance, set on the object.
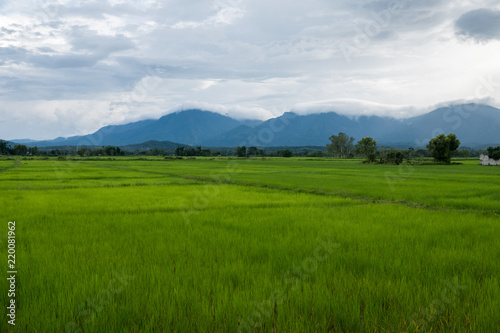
(475, 125)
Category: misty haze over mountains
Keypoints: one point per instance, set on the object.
(475, 125)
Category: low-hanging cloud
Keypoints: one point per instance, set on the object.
(481, 25)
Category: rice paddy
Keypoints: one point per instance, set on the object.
(251, 245)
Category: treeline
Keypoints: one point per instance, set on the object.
(442, 148)
(189, 151)
(104, 151)
(18, 149)
(241, 151)
(22, 150)
(341, 146)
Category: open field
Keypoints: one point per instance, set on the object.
(228, 245)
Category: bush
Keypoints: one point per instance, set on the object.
(317, 153)
(393, 157)
(284, 153)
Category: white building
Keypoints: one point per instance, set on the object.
(485, 160)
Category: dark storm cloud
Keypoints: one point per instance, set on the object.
(480, 24)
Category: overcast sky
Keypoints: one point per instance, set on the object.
(70, 67)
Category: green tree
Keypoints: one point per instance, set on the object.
(4, 147)
(392, 156)
(252, 151)
(112, 151)
(367, 147)
(284, 153)
(157, 152)
(462, 153)
(341, 146)
(494, 153)
(241, 151)
(33, 151)
(442, 147)
(20, 150)
(317, 153)
(410, 152)
(179, 151)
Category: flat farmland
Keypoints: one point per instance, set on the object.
(251, 245)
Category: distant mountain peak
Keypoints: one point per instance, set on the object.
(474, 124)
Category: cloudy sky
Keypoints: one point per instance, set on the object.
(70, 67)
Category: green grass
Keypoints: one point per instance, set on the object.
(218, 245)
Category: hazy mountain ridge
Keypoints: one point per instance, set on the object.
(474, 124)
(192, 127)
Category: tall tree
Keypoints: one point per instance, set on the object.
(442, 147)
(341, 146)
(367, 147)
(4, 147)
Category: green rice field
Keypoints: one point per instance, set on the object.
(250, 245)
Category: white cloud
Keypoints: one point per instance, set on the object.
(355, 107)
(67, 65)
(225, 15)
(42, 119)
